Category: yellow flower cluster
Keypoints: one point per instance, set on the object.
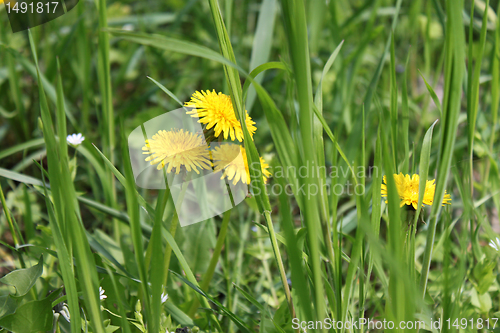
(175, 149)
(408, 188)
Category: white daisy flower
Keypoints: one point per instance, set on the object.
(495, 244)
(164, 297)
(101, 294)
(75, 139)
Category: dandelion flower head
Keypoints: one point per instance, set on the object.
(408, 190)
(216, 110)
(177, 148)
(233, 160)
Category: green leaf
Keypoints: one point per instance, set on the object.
(406, 118)
(123, 181)
(21, 147)
(484, 276)
(24, 279)
(167, 91)
(433, 94)
(177, 314)
(425, 155)
(259, 69)
(32, 317)
(454, 76)
(262, 43)
(171, 44)
(482, 302)
(19, 177)
(318, 96)
(122, 216)
(135, 225)
(7, 305)
(101, 249)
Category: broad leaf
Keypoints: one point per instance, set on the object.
(35, 316)
(24, 279)
(7, 305)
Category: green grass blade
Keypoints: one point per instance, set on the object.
(394, 308)
(296, 31)
(123, 317)
(318, 95)
(243, 327)
(65, 203)
(168, 92)
(135, 228)
(425, 155)
(123, 181)
(233, 79)
(432, 93)
(65, 262)
(171, 44)
(189, 274)
(156, 275)
(406, 119)
(495, 91)
(376, 199)
(473, 88)
(394, 107)
(259, 69)
(262, 44)
(454, 75)
(21, 147)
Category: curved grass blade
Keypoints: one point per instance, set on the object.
(21, 147)
(262, 44)
(425, 155)
(433, 94)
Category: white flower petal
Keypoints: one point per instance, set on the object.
(101, 294)
(75, 139)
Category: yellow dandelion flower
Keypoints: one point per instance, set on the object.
(227, 157)
(176, 149)
(216, 110)
(408, 190)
